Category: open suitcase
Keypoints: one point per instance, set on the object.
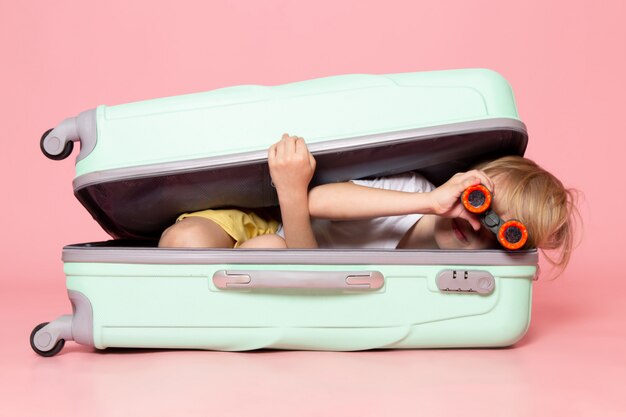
(142, 164)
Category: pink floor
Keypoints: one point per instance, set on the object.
(571, 362)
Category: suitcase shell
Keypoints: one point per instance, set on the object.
(206, 150)
(185, 153)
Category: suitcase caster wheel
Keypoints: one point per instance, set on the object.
(47, 353)
(67, 150)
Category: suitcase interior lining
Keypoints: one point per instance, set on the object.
(158, 199)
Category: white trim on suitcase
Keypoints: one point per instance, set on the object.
(338, 145)
(100, 253)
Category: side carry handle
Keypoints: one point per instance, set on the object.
(320, 280)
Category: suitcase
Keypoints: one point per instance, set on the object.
(141, 164)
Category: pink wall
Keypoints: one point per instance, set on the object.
(565, 61)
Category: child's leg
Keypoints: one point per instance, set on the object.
(269, 241)
(195, 232)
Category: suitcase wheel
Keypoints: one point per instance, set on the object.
(47, 353)
(67, 150)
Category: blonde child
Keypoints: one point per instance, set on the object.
(403, 211)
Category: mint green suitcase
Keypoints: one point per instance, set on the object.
(142, 164)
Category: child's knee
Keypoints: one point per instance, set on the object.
(178, 235)
(195, 232)
(270, 241)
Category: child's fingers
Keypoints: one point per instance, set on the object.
(473, 221)
(468, 182)
(469, 178)
(312, 161)
(484, 178)
(301, 147)
(271, 153)
(303, 150)
(281, 147)
(286, 147)
(289, 145)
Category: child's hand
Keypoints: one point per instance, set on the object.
(446, 199)
(291, 164)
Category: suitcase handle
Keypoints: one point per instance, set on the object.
(319, 280)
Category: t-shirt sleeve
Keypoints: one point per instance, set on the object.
(408, 182)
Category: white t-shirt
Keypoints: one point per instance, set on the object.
(379, 232)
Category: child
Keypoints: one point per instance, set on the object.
(403, 211)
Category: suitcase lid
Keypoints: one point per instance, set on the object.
(146, 200)
(135, 180)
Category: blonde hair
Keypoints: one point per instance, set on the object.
(538, 199)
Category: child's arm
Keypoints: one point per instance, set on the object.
(348, 201)
(292, 167)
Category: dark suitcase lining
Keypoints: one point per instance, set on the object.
(158, 199)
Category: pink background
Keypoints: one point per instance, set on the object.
(566, 62)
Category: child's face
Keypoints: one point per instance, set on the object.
(458, 234)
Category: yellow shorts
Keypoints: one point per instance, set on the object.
(241, 225)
